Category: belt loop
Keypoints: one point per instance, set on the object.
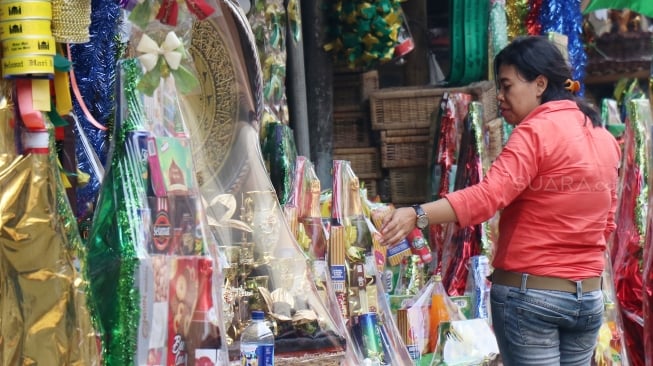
(579, 289)
(524, 278)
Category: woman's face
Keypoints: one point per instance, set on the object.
(518, 97)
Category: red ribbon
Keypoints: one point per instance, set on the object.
(169, 10)
(200, 8)
(533, 26)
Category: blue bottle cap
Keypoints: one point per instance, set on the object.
(258, 315)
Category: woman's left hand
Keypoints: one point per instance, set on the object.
(397, 225)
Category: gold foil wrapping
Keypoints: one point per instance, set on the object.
(43, 317)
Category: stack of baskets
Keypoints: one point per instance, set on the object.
(404, 118)
(352, 135)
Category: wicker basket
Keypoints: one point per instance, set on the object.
(404, 151)
(351, 129)
(407, 132)
(407, 108)
(408, 185)
(372, 187)
(364, 161)
(370, 84)
(352, 89)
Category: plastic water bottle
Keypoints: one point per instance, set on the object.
(257, 343)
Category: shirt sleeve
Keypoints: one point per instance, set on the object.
(510, 174)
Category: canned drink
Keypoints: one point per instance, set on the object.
(371, 336)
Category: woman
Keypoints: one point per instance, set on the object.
(555, 182)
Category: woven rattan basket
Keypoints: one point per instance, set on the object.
(404, 151)
(364, 161)
(351, 129)
(405, 108)
(408, 185)
(352, 89)
(372, 187)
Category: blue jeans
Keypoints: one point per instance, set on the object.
(545, 328)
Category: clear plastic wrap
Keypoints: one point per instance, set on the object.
(359, 286)
(266, 268)
(628, 240)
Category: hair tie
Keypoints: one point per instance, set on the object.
(572, 85)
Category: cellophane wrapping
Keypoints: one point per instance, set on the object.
(353, 263)
(627, 245)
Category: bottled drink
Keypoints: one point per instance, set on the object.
(204, 341)
(257, 343)
(438, 312)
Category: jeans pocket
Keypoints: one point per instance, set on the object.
(537, 326)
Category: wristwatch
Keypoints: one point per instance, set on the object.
(422, 220)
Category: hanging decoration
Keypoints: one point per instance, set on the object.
(165, 11)
(466, 242)
(533, 26)
(628, 241)
(94, 75)
(564, 17)
(280, 154)
(364, 34)
(268, 19)
(516, 13)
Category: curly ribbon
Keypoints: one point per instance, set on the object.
(516, 11)
(169, 10)
(533, 26)
(80, 99)
(164, 60)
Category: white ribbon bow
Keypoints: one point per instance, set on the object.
(151, 51)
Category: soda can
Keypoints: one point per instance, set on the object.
(371, 336)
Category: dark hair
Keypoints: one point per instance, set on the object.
(537, 55)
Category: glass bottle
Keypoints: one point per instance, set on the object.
(204, 339)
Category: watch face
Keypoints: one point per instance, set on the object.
(422, 222)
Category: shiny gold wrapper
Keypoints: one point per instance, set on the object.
(43, 316)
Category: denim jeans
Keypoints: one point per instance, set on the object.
(545, 328)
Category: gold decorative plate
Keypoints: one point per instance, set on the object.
(224, 67)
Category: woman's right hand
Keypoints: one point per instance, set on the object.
(397, 224)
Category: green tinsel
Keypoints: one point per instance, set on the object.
(112, 256)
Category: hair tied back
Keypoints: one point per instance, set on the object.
(572, 85)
